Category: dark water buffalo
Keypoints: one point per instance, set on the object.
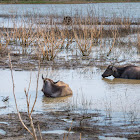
(67, 20)
(55, 89)
(126, 72)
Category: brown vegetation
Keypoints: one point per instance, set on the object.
(45, 38)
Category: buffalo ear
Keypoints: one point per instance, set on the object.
(56, 82)
(114, 69)
(42, 77)
(110, 66)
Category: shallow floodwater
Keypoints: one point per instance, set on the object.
(2, 132)
(111, 138)
(100, 10)
(90, 92)
(56, 132)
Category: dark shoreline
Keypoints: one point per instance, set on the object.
(80, 2)
(86, 124)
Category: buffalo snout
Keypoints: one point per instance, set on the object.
(103, 76)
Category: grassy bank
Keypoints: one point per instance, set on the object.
(61, 1)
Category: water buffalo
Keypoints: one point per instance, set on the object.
(126, 72)
(67, 20)
(55, 89)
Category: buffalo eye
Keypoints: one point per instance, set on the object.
(110, 67)
(56, 82)
(114, 69)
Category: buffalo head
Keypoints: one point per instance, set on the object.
(109, 71)
(47, 85)
(55, 89)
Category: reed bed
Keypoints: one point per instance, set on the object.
(48, 37)
(138, 39)
(50, 44)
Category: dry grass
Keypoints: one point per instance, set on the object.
(50, 44)
(138, 38)
(49, 38)
(33, 132)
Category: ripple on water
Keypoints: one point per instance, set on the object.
(111, 138)
(56, 132)
(2, 132)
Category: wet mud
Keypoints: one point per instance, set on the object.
(62, 125)
(70, 125)
(28, 62)
(22, 62)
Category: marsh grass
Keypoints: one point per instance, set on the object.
(86, 37)
(138, 40)
(79, 103)
(48, 35)
(84, 44)
(0, 47)
(50, 44)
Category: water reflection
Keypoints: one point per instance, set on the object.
(46, 100)
(111, 138)
(54, 103)
(2, 132)
(120, 81)
(56, 132)
(90, 91)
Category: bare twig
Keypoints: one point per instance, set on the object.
(40, 132)
(36, 89)
(33, 133)
(80, 136)
(69, 130)
(15, 98)
(28, 103)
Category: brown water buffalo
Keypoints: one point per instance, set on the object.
(126, 72)
(55, 89)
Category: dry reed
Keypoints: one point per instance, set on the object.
(49, 38)
(33, 132)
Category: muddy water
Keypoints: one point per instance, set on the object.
(90, 92)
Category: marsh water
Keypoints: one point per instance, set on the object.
(100, 10)
(90, 91)
(116, 99)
